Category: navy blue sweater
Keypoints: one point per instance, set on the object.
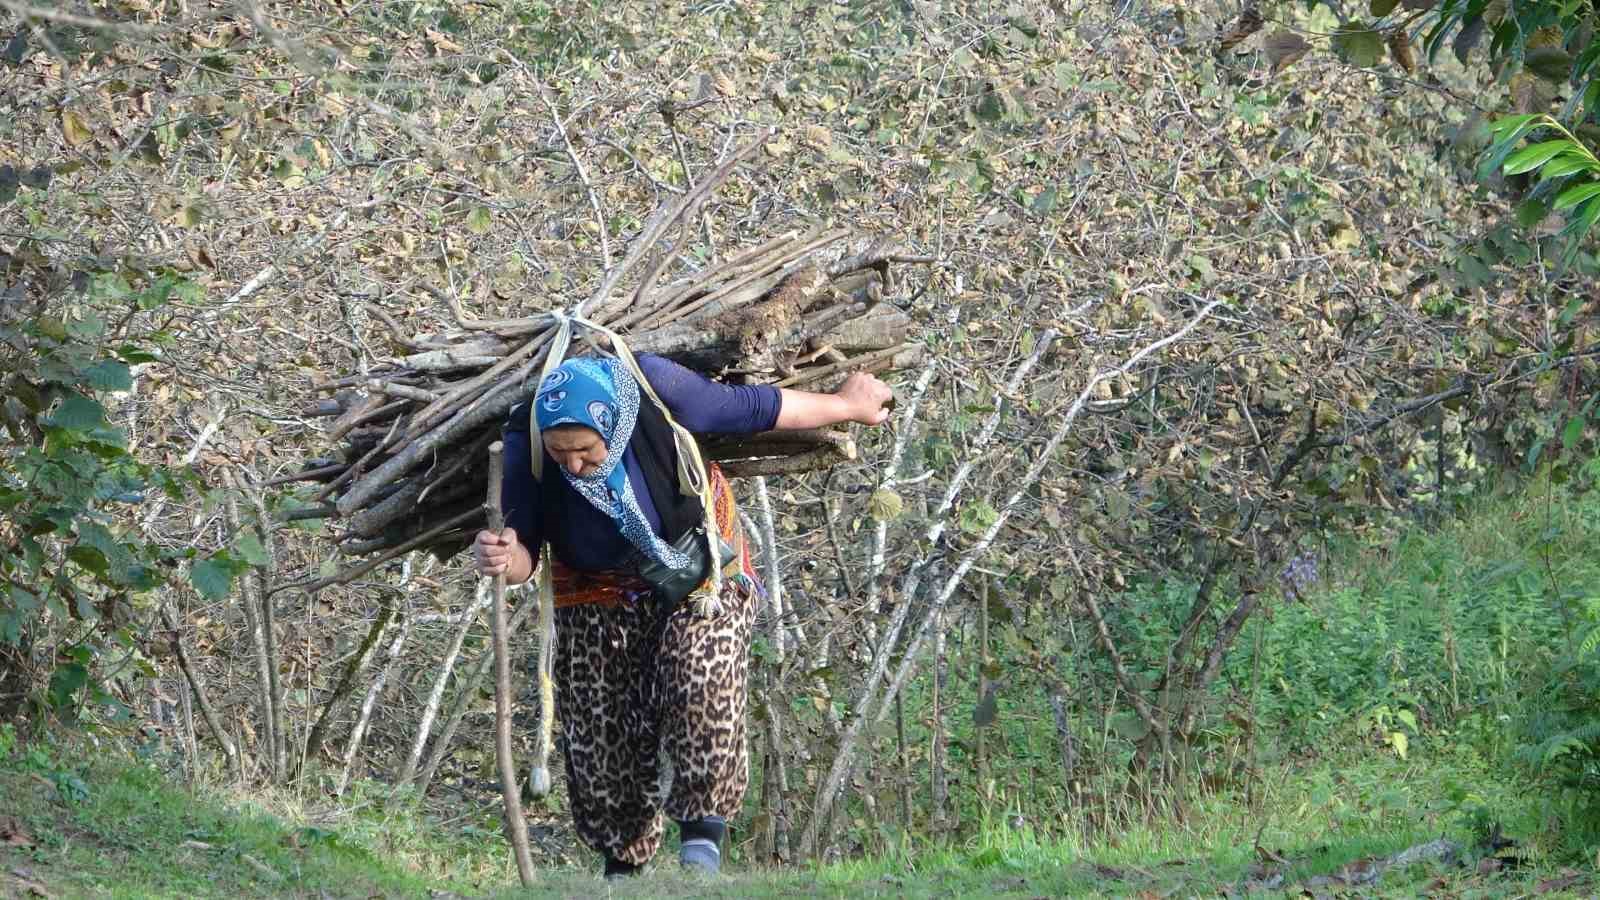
(699, 404)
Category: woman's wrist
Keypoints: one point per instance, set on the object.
(804, 409)
(521, 567)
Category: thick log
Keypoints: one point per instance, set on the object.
(726, 448)
(459, 356)
(880, 327)
(810, 461)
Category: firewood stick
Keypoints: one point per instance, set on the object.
(810, 461)
(448, 473)
(356, 468)
(668, 215)
(393, 326)
(877, 255)
(646, 315)
(790, 255)
(810, 376)
(322, 409)
(338, 384)
(412, 450)
(775, 443)
(299, 513)
(316, 474)
(381, 413)
(516, 826)
(351, 574)
(421, 395)
(445, 405)
(644, 307)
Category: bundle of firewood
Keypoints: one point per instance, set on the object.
(801, 310)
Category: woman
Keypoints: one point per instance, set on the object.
(644, 682)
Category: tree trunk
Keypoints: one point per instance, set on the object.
(265, 663)
(447, 669)
(468, 688)
(358, 734)
(980, 745)
(938, 780)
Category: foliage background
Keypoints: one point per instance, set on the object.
(209, 206)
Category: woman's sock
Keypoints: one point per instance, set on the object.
(702, 839)
(616, 868)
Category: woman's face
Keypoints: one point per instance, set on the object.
(576, 448)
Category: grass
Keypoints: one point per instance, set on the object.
(1457, 626)
(110, 827)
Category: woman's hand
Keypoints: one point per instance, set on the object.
(501, 554)
(866, 397)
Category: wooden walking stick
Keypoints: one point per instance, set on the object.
(516, 828)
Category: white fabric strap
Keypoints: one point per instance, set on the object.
(692, 477)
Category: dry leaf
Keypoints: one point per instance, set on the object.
(74, 130)
(12, 833)
(724, 84)
(442, 43)
(1283, 49)
(1345, 238)
(1400, 50)
(24, 880)
(1568, 878)
(818, 136)
(1248, 23)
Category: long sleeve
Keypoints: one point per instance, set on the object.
(709, 407)
(519, 494)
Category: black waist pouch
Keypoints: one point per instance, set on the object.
(672, 585)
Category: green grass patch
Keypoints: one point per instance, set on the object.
(116, 827)
(86, 823)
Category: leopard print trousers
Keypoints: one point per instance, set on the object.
(626, 712)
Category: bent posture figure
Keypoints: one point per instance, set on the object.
(642, 676)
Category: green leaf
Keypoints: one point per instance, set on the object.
(1529, 158)
(250, 549)
(1573, 433)
(1501, 127)
(1576, 194)
(77, 413)
(1129, 726)
(1532, 211)
(991, 108)
(1549, 63)
(987, 710)
(66, 681)
(108, 375)
(1468, 37)
(480, 220)
(212, 577)
(1045, 202)
(1358, 45)
(1583, 219)
(1567, 164)
(1381, 8)
(91, 559)
(975, 517)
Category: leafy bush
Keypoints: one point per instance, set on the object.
(70, 571)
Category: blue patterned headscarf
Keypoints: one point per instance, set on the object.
(602, 394)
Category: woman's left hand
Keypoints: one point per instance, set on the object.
(866, 397)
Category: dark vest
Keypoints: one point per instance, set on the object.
(652, 445)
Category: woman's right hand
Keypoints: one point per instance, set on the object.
(495, 553)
